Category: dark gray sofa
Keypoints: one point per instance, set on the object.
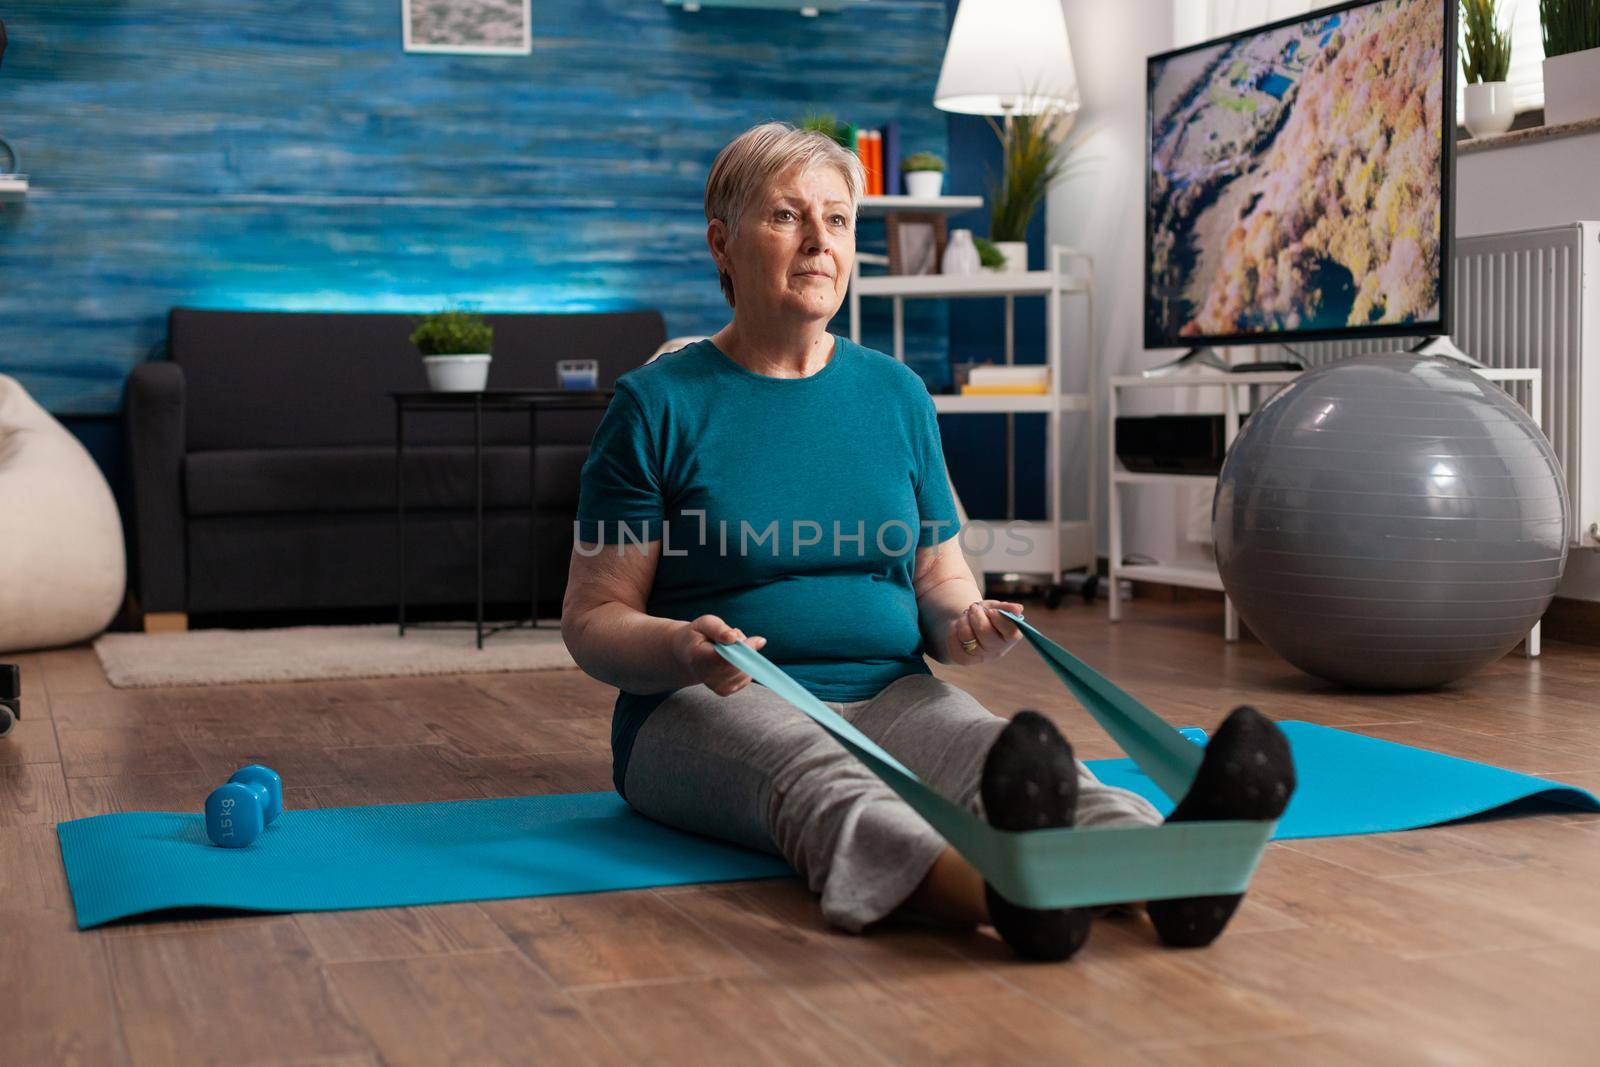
(261, 459)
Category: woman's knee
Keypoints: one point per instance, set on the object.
(925, 691)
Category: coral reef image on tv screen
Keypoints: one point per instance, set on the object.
(1296, 178)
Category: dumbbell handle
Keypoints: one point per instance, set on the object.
(264, 778)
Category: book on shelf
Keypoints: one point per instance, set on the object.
(891, 159)
(879, 151)
(874, 163)
(1010, 374)
(1018, 389)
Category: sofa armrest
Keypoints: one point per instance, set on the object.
(157, 440)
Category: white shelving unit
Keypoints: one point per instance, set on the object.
(1052, 546)
(1205, 576)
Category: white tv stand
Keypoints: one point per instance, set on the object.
(1205, 576)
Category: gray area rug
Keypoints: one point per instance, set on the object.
(317, 653)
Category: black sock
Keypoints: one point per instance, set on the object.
(1247, 773)
(1030, 782)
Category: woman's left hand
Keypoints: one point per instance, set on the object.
(980, 633)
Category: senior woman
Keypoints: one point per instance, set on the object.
(781, 485)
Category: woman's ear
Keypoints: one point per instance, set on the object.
(717, 241)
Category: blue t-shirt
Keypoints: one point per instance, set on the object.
(791, 508)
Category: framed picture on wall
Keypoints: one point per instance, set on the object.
(472, 27)
(916, 241)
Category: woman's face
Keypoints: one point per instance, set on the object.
(792, 256)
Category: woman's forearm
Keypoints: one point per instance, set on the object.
(938, 606)
(624, 647)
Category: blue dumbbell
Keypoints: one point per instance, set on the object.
(248, 803)
(268, 779)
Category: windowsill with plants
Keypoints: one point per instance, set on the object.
(1528, 127)
(1570, 39)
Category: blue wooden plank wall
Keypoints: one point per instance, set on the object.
(287, 154)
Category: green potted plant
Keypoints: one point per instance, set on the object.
(1485, 60)
(988, 255)
(924, 174)
(1035, 151)
(828, 126)
(455, 347)
(1572, 60)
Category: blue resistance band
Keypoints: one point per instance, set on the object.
(1066, 867)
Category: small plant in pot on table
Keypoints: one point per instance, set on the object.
(455, 347)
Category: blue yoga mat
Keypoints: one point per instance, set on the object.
(132, 864)
(1350, 784)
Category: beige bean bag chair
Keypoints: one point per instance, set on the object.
(62, 566)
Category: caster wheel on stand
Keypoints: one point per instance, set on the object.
(1086, 586)
(10, 697)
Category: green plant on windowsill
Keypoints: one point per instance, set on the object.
(921, 161)
(1486, 54)
(1569, 26)
(453, 333)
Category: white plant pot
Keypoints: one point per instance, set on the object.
(1016, 253)
(1572, 87)
(924, 183)
(457, 374)
(1489, 108)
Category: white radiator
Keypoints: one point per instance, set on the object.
(1530, 299)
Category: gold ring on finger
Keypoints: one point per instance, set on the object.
(970, 644)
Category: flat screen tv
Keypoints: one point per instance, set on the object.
(1300, 177)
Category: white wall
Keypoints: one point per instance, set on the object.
(1528, 185)
(1100, 209)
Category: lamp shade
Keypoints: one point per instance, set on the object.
(1007, 56)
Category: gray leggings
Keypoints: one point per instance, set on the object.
(753, 769)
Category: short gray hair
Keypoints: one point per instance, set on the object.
(762, 153)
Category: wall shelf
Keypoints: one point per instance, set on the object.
(874, 206)
(988, 283)
(956, 404)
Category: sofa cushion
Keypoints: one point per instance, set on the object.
(277, 480)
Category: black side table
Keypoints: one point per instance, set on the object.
(532, 401)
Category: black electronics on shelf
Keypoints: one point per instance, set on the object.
(1171, 444)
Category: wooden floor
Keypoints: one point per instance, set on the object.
(1474, 944)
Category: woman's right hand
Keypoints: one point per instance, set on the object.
(694, 647)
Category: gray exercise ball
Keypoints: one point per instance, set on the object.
(1391, 522)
